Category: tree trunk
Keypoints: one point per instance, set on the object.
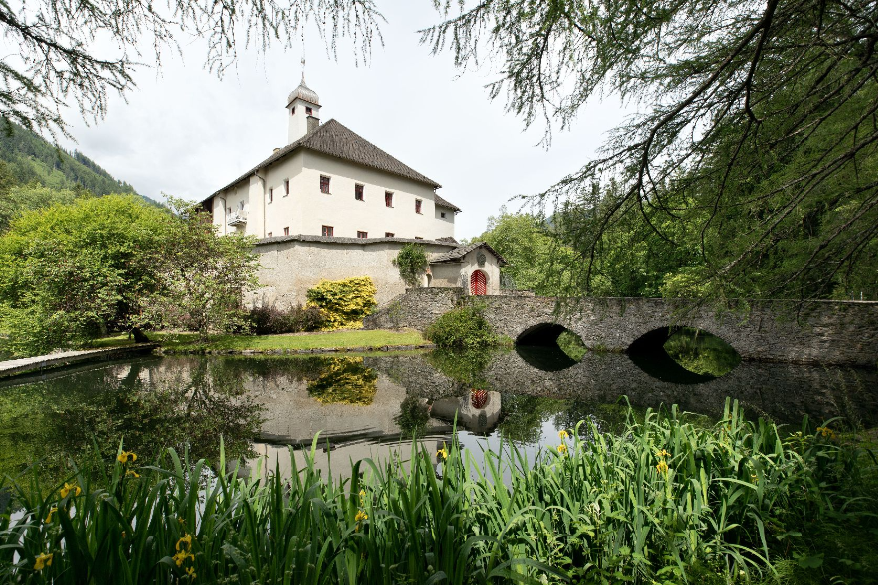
(139, 336)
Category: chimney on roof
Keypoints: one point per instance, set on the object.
(313, 123)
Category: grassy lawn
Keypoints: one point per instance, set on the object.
(183, 342)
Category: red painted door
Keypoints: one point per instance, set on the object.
(478, 283)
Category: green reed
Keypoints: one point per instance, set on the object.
(664, 501)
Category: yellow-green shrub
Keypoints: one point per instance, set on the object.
(345, 302)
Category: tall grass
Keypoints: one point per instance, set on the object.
(662, 502)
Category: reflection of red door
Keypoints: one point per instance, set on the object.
(478, 283)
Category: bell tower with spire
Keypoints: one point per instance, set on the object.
(303, 111)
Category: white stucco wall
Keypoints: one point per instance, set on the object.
(306, 209)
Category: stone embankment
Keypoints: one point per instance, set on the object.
(10, 368)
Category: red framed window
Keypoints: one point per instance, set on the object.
(362, 235)
(478, 283)
(270, 195)
(326, 231)
(389, 235)
(287, 188)
(307, 111)
(286, 231)
(388, 199)
(358, 192)
(418, 205)
(324, 184)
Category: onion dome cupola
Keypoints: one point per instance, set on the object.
(303, 109)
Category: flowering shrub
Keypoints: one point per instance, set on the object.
(345, 302)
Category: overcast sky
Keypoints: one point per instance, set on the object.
(185, 132)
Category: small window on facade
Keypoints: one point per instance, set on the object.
(293, 111)
(287, 190)
(362, 235)
(417, 206)
(442, 214)
(418, 238)
(270, 195)
(324, 184)
(307, 111)
(389, 235)
(286, 231)
(327, 231)
(358, 192)
(230, 211)
(388, 199)
(269, 234)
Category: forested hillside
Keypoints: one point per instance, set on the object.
(30, 158)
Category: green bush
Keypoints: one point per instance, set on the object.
(462, 328)
(412, 263)
(270, 320)
(345, 302)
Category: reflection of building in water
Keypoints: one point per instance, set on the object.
(478, 411)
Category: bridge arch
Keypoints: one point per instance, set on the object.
(695, 355)
(541, 346)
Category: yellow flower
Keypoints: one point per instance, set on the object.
(442, 453)
(70, 487)
(563, 434)
(662, 467)
(43, 561)
(191, 572)
(562, 448)
(126, 457)
(181, 521)
(49, 517)
(185, 543)
(826, 432)
(182, 556)
(662, 453)
(362, 493)
(361, 515)
(132, 473)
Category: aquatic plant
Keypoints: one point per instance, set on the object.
(665, 501)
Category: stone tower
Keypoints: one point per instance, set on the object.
(303, 111)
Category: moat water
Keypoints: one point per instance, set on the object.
(372, 405)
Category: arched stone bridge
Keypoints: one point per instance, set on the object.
(829, 332)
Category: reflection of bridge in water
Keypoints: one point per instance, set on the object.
(785, 392)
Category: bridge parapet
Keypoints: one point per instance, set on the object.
(829, 332)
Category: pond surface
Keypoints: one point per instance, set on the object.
(364, 406)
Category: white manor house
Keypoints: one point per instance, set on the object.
(332, 205)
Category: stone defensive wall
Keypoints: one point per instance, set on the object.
(828, 332)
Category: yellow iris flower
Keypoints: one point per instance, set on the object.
(662, 467)
(190, 572)
(662, 453)
(361, 515)
(562, 448)
(49, 517)
(43, 561)
(70, 487)
(126, 457)
(563, 434)
(442, 453)
(185, 543)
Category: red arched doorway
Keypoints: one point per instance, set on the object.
(478, 283)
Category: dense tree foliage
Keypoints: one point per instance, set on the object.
(532, 250)
(201, 277)
(755, 152)
(412, 264)
(68, 51)
(72, 272)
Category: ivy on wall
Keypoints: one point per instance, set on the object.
(345, 302)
